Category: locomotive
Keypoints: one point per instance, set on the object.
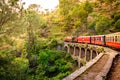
(110, 40)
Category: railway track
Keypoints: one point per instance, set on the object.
(114, 73)
(91, 73)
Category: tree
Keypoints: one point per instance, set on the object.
(117, 25)
(75, 14)
(66, 8)
(34, 7)
(8, 12)
(34, 24)
(99, 24)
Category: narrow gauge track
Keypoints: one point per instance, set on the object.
(114, 73)
(93, 71)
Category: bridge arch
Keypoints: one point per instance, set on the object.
(94, 54)
(71, 50)
(88, 55)
(77, 49)
(66, 49)
(82, 53)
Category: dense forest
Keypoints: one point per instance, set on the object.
(29, 39)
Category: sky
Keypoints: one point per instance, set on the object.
(45, 4)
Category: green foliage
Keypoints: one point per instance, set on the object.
(53, 63)
(116, 17)
(77, 24)
(75, 14)
(102, 24)
(116, 21)
(12, 67)
(45, 64)
(8, 13)
(99, 24)
(88, 7)
(117, 25)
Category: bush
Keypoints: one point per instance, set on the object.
(52, 63)
(12, 67)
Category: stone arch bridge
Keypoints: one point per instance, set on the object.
(87, 55)
(83, 53)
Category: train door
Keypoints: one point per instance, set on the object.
(103, 40)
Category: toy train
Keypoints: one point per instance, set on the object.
(111, 40)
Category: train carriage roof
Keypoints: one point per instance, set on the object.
(112, 34)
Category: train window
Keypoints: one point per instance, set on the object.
(100, 39)
(107, 38)
(111, 39)
(118, 38)
(96, 38)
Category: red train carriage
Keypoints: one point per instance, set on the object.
(113, 40)
(100, 39)
(84, 39)
(68, 39)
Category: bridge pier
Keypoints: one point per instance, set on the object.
(85, 55)
(71, 50)
(74, 51)
(79, 52)
(88, 55)
(82, 53)
(94, 54)
(91, 55)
